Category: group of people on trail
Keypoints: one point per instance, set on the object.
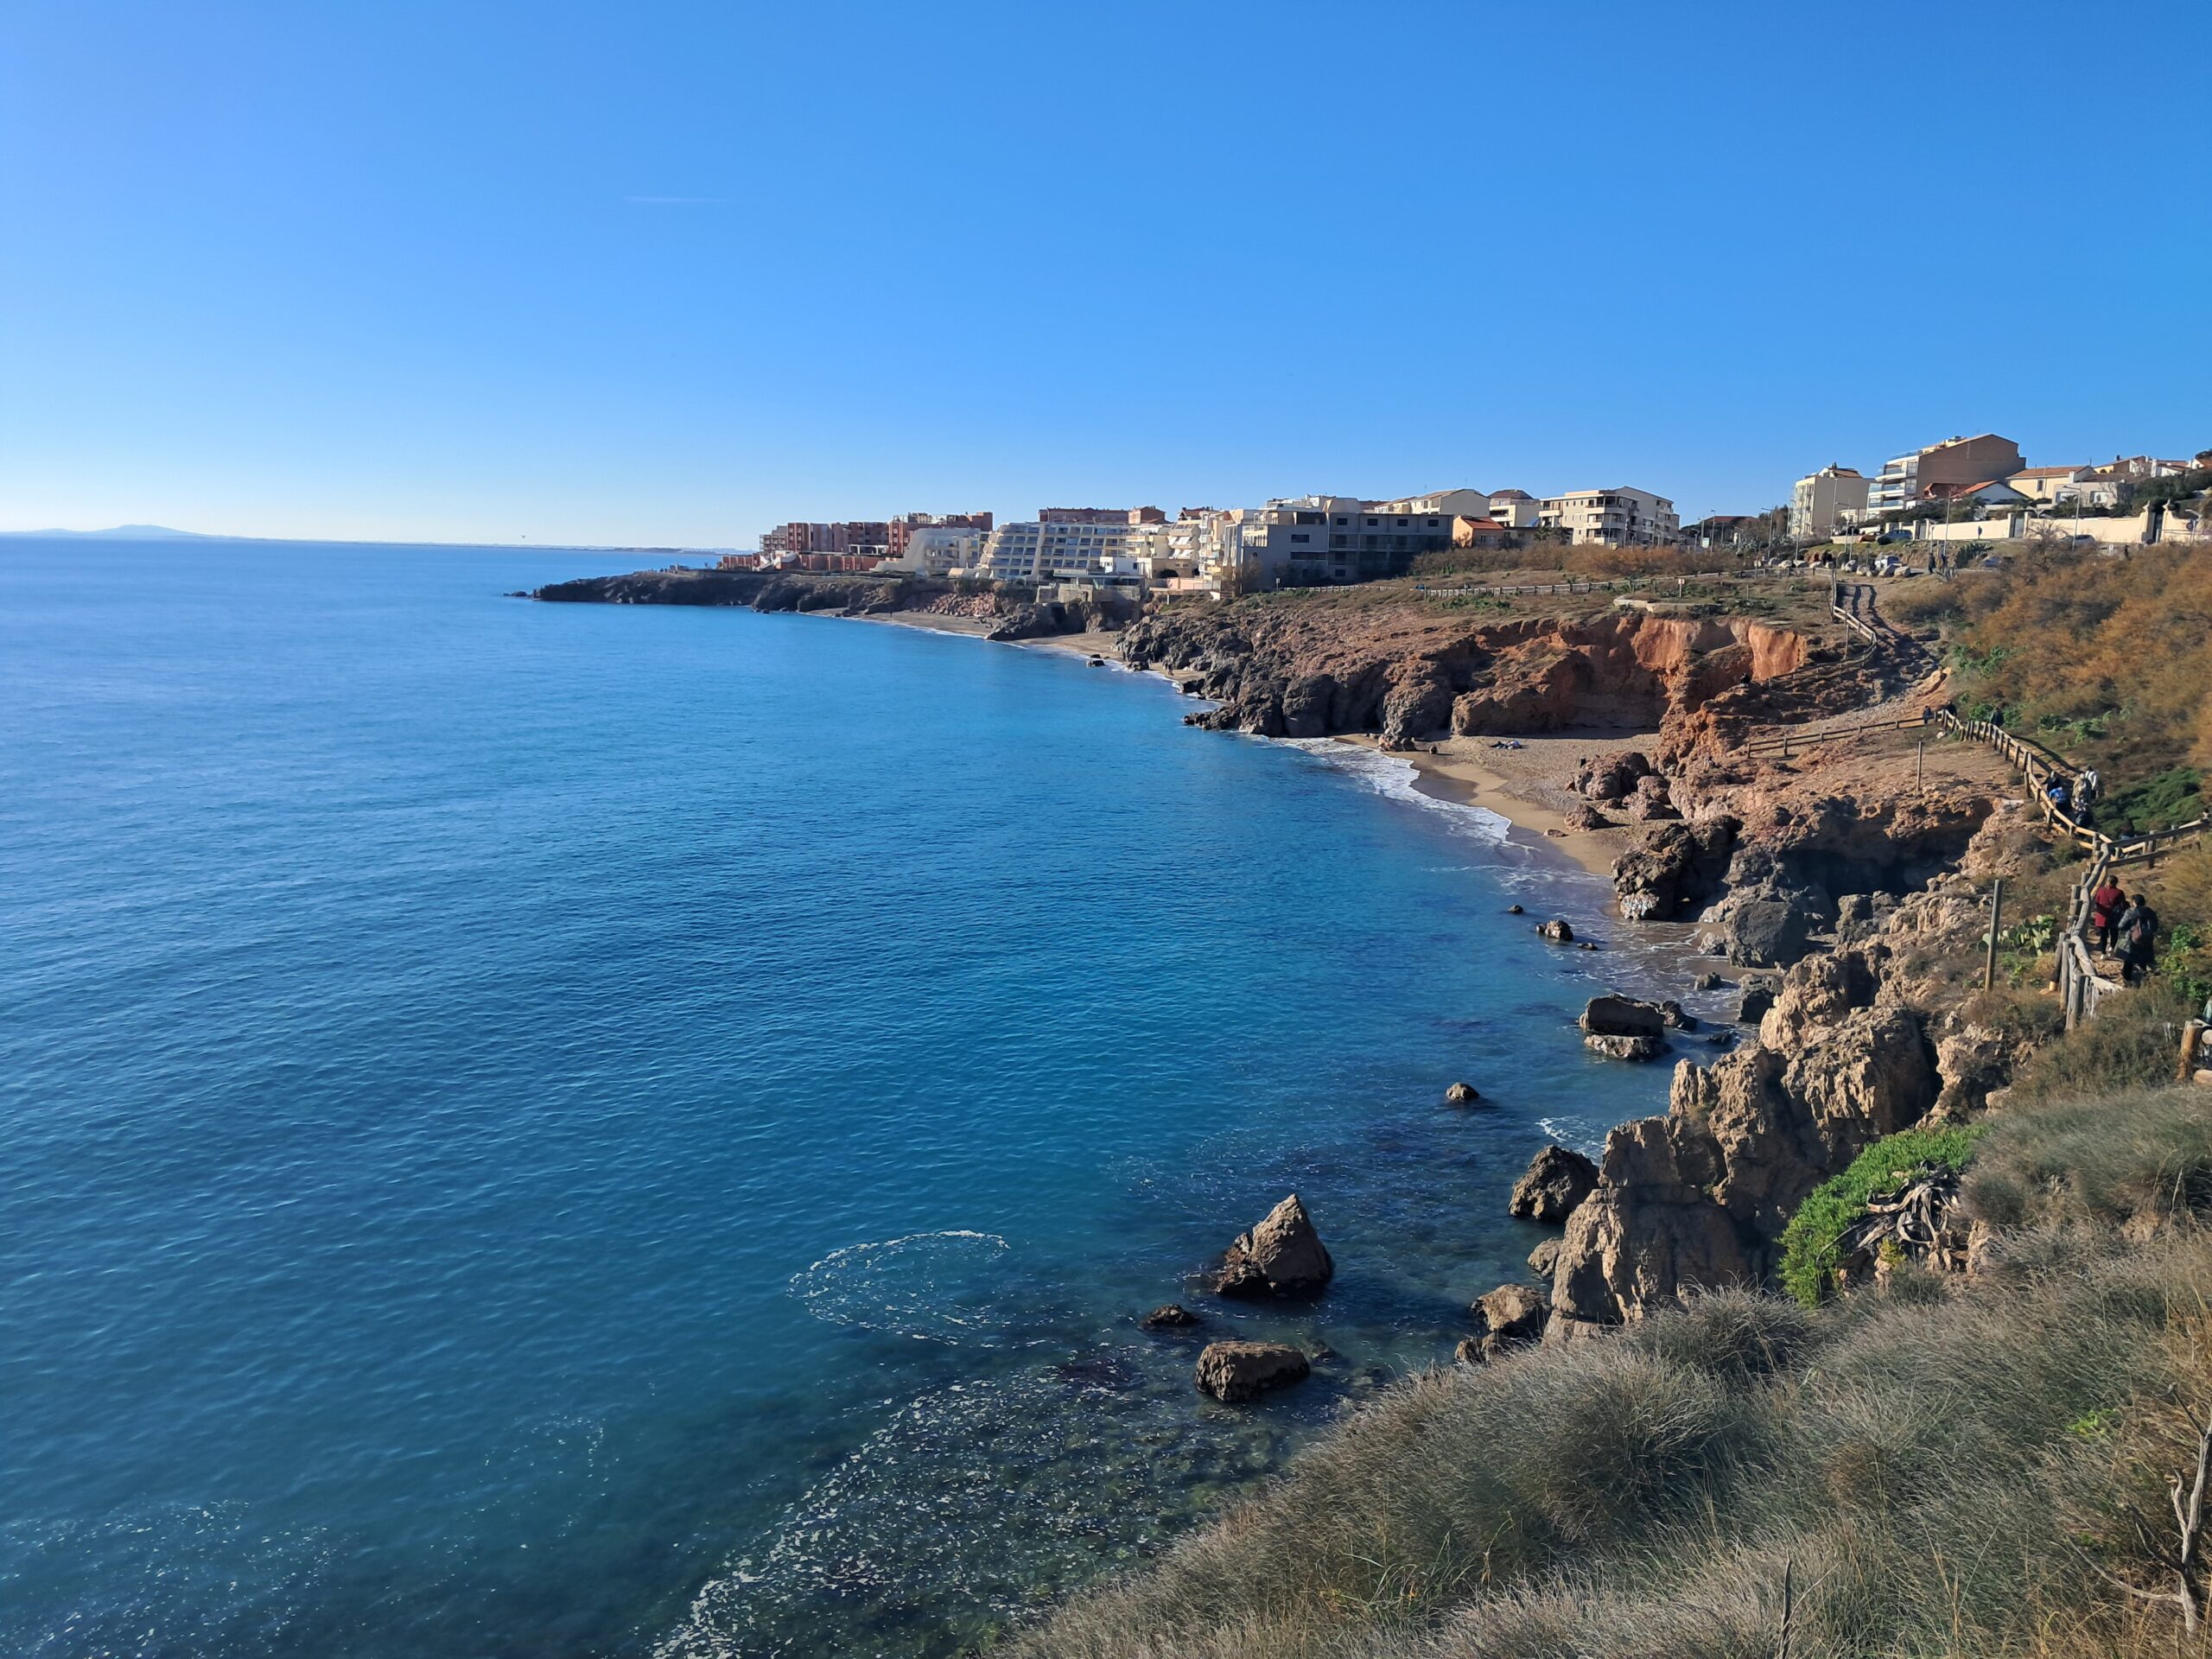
(2127, 926)
(2076, 799)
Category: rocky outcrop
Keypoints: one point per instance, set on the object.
(1013, 609)
(1557, 1179)
(1614, 1016)
(1172, 1317)
(1678, 866)
(1462, 1095)
(1510, 1316)
(1281, 1256)
(1543, 1261)
(1697, 1197)
(1612, 777)
(1238, 1371)
(1556, 931)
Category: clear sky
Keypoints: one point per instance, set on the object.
(671, 272)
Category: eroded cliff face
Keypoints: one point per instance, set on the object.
(1287, 671)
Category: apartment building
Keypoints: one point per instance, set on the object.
(902, 528)
(1101, 515)
(1312, 541)
(1620, 517)
(1515, 509)
(936, 549)
(1922, 477)
(1450, 504)
(847, 538)
(1061, 549)
(1826, 501)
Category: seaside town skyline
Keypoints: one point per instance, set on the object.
(1962, 489)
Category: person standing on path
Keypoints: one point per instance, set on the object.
(2139, 936)
(2105, 906)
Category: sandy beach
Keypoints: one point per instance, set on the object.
(1525, 786)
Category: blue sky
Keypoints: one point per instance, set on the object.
(671, 273)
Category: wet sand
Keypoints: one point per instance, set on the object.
(1527, 786)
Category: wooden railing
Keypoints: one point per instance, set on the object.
(2080, 985)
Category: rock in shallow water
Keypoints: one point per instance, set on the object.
(1237, 1371)
(1172, 1317)
(1625, 1048)
(1557, 1179)
(1556, 931)
(1509, 1317)
(1462, 1094)
(1281, 1256)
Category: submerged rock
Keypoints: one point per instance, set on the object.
(1281, 1256)
(1462, 1094)
(1557, 1180)
(1173, 1316)
(1237, 1371)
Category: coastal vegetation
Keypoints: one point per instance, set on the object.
(1973, 1465)
(2107, 658)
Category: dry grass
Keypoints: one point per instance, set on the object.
(1940, 1470)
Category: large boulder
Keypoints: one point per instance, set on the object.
(1612, 777)
(1557, 1180)
(1543, 1261)
(1650, 800)
(1281, 1256)
(1614, 1016)
(1172, 1316)
(1509, 1317)
(1772, 927)
(1556, 931)
(1463, 1095)
(1758, 994)
(1677, 865)
(1237, 1371)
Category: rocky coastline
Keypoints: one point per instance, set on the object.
(1834, 893)
(1000, 615)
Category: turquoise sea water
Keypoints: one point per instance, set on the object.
(546, 1130)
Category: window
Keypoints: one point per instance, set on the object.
(1301, 540)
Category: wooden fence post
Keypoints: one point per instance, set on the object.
(1996, 921)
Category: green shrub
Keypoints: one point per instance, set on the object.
(1811, 1244)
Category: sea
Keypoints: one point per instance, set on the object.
(571, 1130)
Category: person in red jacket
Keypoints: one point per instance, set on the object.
(2105, 906)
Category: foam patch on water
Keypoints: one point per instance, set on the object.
(1392, 775)
(948, 1287)
(977, 1505)
(1582, 1134)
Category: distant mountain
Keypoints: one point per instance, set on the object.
(120, 533)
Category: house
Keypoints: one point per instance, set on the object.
(1477, 532)
(1986, 493)
(1620, 517)
(1447, 503)
(1823, 502)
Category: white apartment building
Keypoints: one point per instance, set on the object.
(938, 550)
(1515, 509)
(1616, 518)
(1826, 501)
(1050, 552)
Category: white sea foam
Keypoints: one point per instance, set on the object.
(933, 1286)
(1399, 778)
